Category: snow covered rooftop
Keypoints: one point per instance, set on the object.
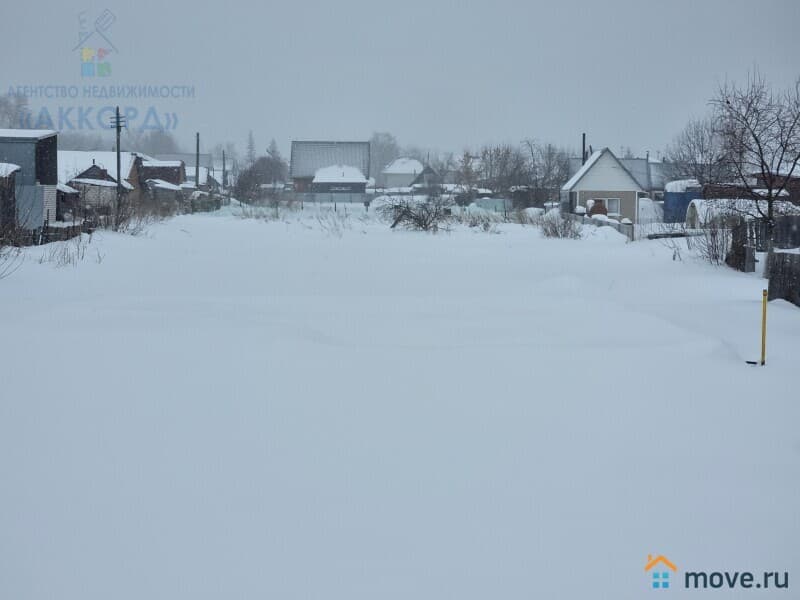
(582, 171)
(27, 134)
(153, 164)
(7, 169)
(72, 163)
(164, 185)
(101, 183)
(63, 187)
(711, 208)
(680, 185)
(403, 166)
(339, 174)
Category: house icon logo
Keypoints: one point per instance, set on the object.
(95, 44)
(660, 569)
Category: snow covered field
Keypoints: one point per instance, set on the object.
(230, 408)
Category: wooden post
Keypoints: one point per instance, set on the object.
(764, 328)
(117, 217)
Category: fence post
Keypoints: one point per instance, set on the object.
(763, 327)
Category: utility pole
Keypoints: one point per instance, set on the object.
(118, 122)
(197, 162)
(224, 183)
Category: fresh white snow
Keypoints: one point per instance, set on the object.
(7, 169)
(403, 166)
(72, 163)
(339, 174)
(319, 407)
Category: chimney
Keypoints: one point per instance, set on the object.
(583, 150)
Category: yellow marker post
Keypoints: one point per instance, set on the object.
(764, 328)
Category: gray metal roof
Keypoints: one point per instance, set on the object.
(649, 175)
(308, 157)
(638, 168)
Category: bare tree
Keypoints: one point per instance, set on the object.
(13, 110)
(443, 164)
(698, 153)
(504, 166)
(251, 149)
(431, 215)
(466, 177)
(153, 142)
(760, 131)
(549, 169)
(270, 169)
(383, 149)
(10, 259)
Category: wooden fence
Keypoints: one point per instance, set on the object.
(755, 233)
(784, 276)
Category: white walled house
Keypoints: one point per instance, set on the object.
(603, 178)
(401, 172)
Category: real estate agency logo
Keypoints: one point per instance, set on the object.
(661, 575)
(661, 571)
(94, 43)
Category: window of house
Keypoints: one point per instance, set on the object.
(612, 204)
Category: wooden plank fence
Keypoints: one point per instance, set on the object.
(784, 276)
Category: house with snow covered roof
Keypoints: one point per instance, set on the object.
(427, 178)
(34, 152)
(401, 172)
(94, 175)
(339, 179)
(207, 183)
(172, 171)
(604, 179)
(307, 157)
(82, 164)
(651, 175)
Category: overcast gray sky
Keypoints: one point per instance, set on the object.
(437, 74)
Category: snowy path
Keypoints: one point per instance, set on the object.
(236, 409)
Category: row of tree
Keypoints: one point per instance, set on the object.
(270, 169)
(749, 141)
(538, 167)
